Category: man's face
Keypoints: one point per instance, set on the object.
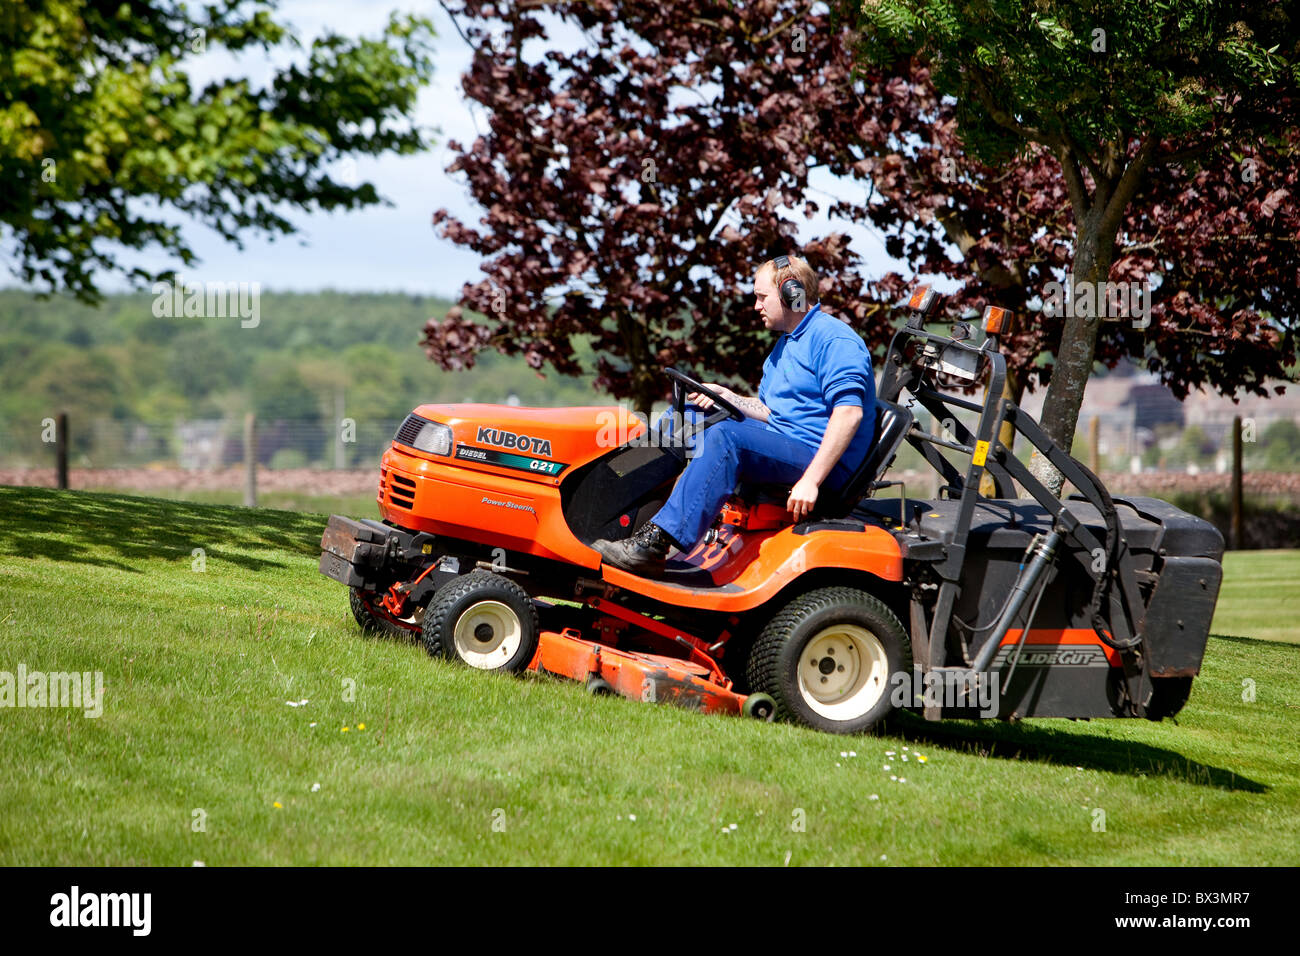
(767, 300)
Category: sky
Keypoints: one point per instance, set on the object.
(393, 248)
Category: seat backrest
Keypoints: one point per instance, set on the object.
(892, 425)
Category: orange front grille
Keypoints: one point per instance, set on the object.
(401, 491)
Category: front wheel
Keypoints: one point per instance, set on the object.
(760, 707)
(483, 620)
(371, 623)
(827, 658)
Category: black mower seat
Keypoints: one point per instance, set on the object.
(892, 424)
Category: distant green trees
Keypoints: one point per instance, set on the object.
(119, 364)
(104, 137)
(1275, 448)
(1278, 448)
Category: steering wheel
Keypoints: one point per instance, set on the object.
(683, 385)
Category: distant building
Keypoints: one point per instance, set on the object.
(1131, 405)
(201, 443)
(1154, 405)
(1214, 413)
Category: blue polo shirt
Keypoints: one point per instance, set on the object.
(819, 366)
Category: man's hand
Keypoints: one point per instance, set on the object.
(803, 496)
(703, 401)
(840, 430)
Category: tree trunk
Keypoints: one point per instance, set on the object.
(1013, 387)
(646, 378)
(645, 390)
(1074, 355)
(1098, 219)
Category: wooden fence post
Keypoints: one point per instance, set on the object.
(1094, 444)
(339, 460)
(1236, 484)
(250, 461)
(61, 451)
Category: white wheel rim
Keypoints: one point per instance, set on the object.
(843, 672)
(501, 635)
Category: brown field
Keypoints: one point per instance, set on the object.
(145, 481)
(321, 481)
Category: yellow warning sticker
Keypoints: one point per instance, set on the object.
(426, 549)
(981, 453)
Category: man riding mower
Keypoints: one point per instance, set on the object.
(827, 605)
(805, 427)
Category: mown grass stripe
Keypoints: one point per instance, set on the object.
(199, 664)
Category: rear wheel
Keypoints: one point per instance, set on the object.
(827, 658)
(483, 620)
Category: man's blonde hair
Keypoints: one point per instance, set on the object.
(797, 269)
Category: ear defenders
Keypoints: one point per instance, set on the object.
(792, 291)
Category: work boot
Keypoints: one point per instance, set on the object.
(642, 554)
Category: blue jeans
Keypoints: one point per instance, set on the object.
(726, 453)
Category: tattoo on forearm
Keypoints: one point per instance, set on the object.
(751, 406)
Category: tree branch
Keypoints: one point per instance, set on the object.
(1118, 201)
(1073, 182)
(677, 275)
(1002, 117)
(782, 27)
(1152, 246)
(452, 17)
(1077, 149)
(537, 4)
(1171, 159)
(998, 275)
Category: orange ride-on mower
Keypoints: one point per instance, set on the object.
(958, 606)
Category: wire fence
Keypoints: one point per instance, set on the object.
(199, 444)
(345, 443)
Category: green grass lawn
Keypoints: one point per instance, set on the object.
(1260, 597)
(197, 755)
(358, 506)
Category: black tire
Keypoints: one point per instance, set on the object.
(760, 707)
(845, 698)
(599, 687)
(505, 637)
(737, 653)
(372, 625)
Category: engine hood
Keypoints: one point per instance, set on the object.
(541, 441)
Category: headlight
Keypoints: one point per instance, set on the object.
(433, 437)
